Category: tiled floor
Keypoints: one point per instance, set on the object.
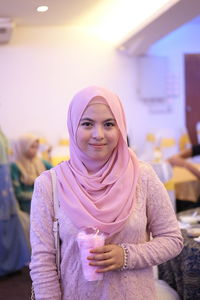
(16, 286)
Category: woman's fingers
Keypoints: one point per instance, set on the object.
(100, 256)
(103, 249)
(101, 262)
(107, 269)
(109, 258)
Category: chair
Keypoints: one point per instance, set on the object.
(60, 152)
(167, 142)
(159, 145)
(184, 140)
(168, 146)
(165, 292)
(149, 146)
(44, 149)
(164, 144)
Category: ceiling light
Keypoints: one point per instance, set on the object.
(42, 8)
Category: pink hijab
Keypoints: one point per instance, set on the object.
(103, 200)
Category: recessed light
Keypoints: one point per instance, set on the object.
(42, 8)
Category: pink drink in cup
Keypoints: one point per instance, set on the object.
(87, 240)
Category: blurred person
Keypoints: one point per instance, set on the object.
(26, 167)
(180, 159)
(14, 251)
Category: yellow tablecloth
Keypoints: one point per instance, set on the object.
(185, 184)
(58, 159)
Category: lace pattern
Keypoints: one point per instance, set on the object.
(152, 213)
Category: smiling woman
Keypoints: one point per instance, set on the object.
(97, 133)
(103, 187)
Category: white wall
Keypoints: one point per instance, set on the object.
(41, 69)
(184, 40)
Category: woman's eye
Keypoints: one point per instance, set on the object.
(86, 124)
(109, 124)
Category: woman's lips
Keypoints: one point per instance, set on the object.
(97, 145)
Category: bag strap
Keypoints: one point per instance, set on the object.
(55, 226)
(56, 221)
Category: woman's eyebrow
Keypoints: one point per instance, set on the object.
(86, 119)
(91, 120)
(111, 119)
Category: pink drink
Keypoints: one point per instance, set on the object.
(86, 242)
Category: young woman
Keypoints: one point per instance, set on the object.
(26, 168)
(103, 186)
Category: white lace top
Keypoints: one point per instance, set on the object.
(152, 213)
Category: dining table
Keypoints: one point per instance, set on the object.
(186, 185)
(183, 272)
(184, 188)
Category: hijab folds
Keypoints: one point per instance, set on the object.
(103, 200)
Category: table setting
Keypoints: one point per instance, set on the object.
(183, 272)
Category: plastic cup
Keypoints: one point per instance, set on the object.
(86, 242)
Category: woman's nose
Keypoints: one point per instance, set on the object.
(98, 132)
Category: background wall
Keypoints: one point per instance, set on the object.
(184, 40)
(41, 69)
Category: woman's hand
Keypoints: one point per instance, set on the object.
(108, 257)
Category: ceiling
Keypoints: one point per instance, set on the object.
(160, 25)
(61, 12)
(196, 20)
(81, 12)
(110, 20)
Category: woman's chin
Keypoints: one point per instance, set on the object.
(99, 157)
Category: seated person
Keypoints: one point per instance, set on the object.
(26, 167)
(180, 160)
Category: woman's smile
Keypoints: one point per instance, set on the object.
(97, 145)
(97, 133)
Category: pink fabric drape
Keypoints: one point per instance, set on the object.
(105, 199)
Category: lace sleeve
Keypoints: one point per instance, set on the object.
(166, 241)
(43, 266)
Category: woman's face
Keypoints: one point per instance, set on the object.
(97, 134)
(32, 150)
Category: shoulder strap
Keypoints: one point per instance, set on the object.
(56, 221)
(55, 198)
